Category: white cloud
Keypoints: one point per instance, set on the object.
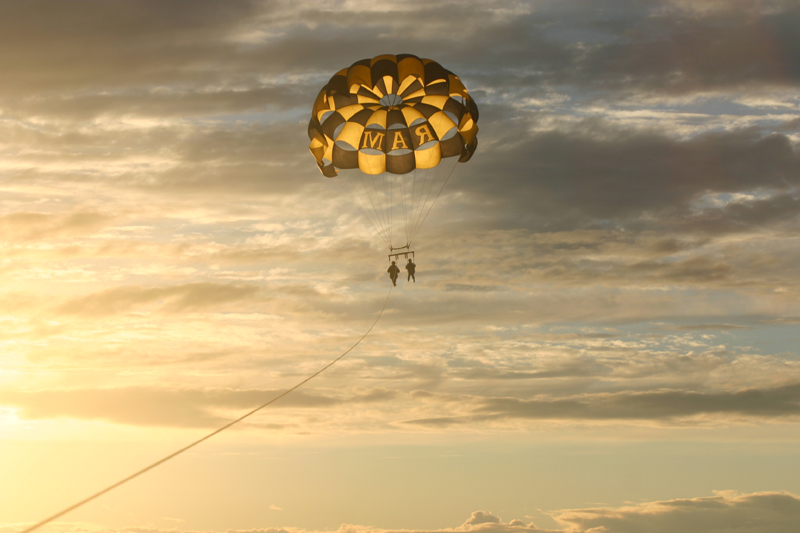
(725, 512)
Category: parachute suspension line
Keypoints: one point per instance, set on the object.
(220, 430)
(419, 176)
(430, 182)
(381, 201)
(388, 184)
(386, 205)
(425, 203)
(363, 208)
(363, 204)
(353, 191)
(430, 185)
(434, 200)
(420, 195)
(405, 211)
(381, 196)
(375, 201)
(397, 183)
(426, 193)
(374, 218)
(413, 204)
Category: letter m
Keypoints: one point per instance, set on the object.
(373, 139)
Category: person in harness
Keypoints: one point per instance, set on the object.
(393, 272)
(411, 267)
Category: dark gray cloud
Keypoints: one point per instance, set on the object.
(96, 45)
(563, 180)
(619, 45)
(710, 327)
(779, 211)
(767, 403)
(679, 51)
(660, 405)
(167, 103)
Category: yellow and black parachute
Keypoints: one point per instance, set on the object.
(391, 129)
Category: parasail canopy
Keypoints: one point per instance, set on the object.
(390, 130)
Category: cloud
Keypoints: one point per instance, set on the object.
(725, 512)
(656, 48)
(151, 406)
(564, 180)
(177, 298)
(663, 407)
(28, 226)
(776, 402)
(97, 45)
(659, 47)
(679, 51)
(722, 327)
(481, 517)
(165, 104)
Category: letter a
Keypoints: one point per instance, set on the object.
(399, 142)
(424, 134)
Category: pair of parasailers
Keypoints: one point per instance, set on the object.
(394, 271)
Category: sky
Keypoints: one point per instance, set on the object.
(602, 336)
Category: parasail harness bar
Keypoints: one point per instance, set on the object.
(404, 254)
